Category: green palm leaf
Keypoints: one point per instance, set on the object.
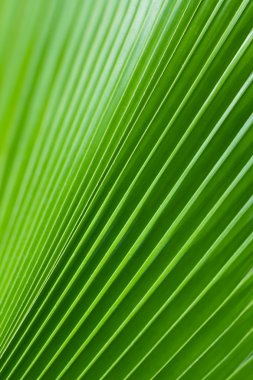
(126, 189)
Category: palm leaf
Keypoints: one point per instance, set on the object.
(126, 189)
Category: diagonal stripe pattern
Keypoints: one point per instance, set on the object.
(126, 189)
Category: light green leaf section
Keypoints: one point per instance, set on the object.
(126, 222)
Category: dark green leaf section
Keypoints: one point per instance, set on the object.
(126, 189)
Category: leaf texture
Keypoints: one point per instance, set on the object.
(126, 189)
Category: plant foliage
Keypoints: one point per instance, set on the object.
(126, 189)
